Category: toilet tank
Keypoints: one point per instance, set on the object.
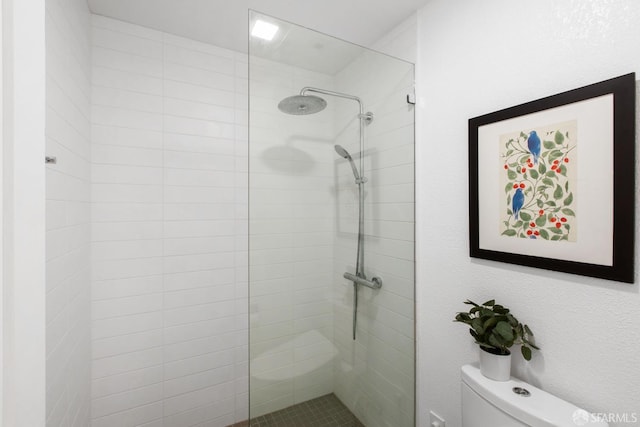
(495, 403)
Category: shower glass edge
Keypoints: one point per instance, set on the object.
(303, 234)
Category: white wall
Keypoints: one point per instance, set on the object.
(402, 41)
(24, 213)
(68, 132)
(478, 57)
(169, 230)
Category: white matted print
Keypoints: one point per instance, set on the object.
(585, 131)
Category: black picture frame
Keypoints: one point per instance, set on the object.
(617, 177)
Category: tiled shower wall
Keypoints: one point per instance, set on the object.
(169, 214)
(374, 375)
(68, 131)
(292, 194)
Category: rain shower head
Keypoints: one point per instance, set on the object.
(302, 104)
(345, 154)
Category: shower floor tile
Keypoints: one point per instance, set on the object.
(324, 411)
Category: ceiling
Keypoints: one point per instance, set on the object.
(224, 22)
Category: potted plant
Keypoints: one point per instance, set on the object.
(495, 330)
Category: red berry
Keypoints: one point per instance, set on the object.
(530, 165)
(563, 219)
(566, 160)
(555, 162)
(553, 219)
(541, 211)
(529, 232)
(533, 224)
(537, 233)
(522, 185)
(523, 170)
(558, 225)
(554, 167)
(515, 185)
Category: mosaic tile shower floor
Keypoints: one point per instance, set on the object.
(324, 411)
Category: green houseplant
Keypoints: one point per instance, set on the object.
(496, 330)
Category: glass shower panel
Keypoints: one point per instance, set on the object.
(331, 194)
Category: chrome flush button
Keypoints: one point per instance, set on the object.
(521, 391)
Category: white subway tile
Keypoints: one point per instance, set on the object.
(197, 144)
(129, 63)
(199, 347)
(57, 300)
(126, 193)
(119, 288)
(117, 174)
(124, 344)
(123, 212)
(109, 135)
(198, 93)
(198, 110)
(184, 229)
(198, 127)
(106, 328)
(127, 43)
(127, 100)
(194, 331)
(192, 365)
(117, 117)
(198, 46)
(125, 80)
(198, 262)
(195, 398)
(107, 405)
(203, 295)
(198, 76)
(128, 381)
(198, 279)
(199, 178)
(127, 362)
(193, 58)
(133, 156)
(198, 245)
(117, 307)
(126, 268)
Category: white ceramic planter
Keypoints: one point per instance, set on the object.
(495, 366)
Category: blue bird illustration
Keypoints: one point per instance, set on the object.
(533, 142)
(517, 202)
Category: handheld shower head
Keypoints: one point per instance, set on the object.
(342, 152)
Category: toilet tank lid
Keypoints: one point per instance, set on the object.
(539, 409)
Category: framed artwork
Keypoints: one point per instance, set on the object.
(552, 182)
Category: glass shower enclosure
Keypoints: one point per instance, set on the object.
(331, 231)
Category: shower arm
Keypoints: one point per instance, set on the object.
(332, 93)
(367, 117)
